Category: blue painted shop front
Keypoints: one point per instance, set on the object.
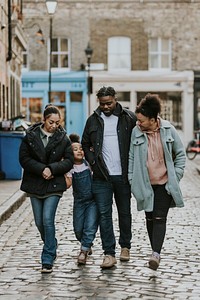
(68, 92)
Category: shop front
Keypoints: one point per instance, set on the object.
(174, 88)
(68, 93)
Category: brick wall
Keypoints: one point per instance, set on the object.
(95, 21)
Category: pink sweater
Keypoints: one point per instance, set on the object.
(155, 160)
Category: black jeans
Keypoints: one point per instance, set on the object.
(157, 219)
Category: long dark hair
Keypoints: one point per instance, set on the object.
(49, 110)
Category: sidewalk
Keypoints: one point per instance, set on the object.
(10, 198)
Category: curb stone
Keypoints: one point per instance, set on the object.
(11, 205)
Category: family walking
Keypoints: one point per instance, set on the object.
(121, 153)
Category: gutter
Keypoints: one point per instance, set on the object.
(9, 57)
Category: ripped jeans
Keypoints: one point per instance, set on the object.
(157, 219)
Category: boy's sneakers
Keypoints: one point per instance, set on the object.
(154, 261)
(90, 251)
(46, 268)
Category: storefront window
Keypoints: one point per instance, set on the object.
(124, 99)
(57, 97)
(76, 96)
(32, 109)
(171, 106)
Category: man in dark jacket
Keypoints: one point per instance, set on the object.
(105, 141)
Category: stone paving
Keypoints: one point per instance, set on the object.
(178, 276)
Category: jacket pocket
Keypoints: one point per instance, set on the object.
(169, 143)
(138, 141)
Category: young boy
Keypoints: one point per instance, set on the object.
(85, 219)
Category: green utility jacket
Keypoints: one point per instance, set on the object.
(175, 160)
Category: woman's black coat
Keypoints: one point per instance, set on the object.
(34, 158)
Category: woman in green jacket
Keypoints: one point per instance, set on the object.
(156, 165)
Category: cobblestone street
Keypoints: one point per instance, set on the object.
(178, 276)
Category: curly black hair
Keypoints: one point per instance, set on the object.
(106, 91)
(74, 138)
(149, 106)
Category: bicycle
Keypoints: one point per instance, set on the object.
(193, 147)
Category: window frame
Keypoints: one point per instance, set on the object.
(159, 52)
(59, 53)
(127, 55)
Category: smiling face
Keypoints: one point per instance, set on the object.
(145, 123)
(51, 123)
(107, 105)
(78, 153)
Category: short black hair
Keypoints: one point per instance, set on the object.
(106, 91)
(149, 106)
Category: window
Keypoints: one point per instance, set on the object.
(123, 96)
(159, 54)
(171, 107)
(32, 109)
(119, 53)
(25, 59)
(76, 96)
(60, 53)
(57, 97)
(124, 99)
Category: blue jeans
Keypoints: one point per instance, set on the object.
(103, 194)
(44, 211)
(85, 222)
(85, 217)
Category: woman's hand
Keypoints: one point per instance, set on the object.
(47, 174)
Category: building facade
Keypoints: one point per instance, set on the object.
(139, 46)
(12, 44)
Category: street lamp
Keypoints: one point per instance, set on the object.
(51, 8)
(88, 53)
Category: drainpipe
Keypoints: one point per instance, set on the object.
(21, 9)
(9, 57)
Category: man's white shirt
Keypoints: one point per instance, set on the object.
(110, 148)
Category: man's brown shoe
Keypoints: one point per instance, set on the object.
(108, 262)
(82, 257)
(125, 254)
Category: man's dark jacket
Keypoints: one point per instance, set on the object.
(92, 141)
(33, 157)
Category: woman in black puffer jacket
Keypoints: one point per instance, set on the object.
(46, 155)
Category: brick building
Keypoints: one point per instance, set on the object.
(12, 43)
(139, 46)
